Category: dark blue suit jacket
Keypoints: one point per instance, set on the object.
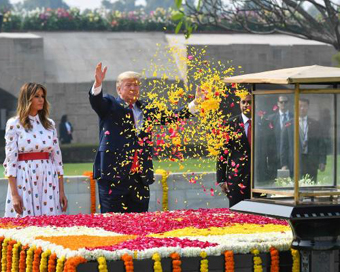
(118, 139)
(237, 158)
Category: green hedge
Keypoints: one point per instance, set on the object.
(76, 153)
(72, 19)
(98, 20)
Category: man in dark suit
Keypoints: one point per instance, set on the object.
(123, 164)
(312, 144)
(233, 165)
(277, 122)
(65, 130)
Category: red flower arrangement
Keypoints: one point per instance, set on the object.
(148, 222)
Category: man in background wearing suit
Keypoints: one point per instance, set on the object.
(123, 165)
(65, 130)
(312, 144)
(277, 122)
(233, 165)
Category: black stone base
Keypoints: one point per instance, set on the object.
(243, 263)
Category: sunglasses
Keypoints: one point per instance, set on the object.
(283, 102)
(243, 102)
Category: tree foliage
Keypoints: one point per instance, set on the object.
(53, 4)
(4, 4)
(154, 4)
(307, 19)
(121, 5)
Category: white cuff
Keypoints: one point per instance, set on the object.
(10, 172)
(96, 91)
(192, 108)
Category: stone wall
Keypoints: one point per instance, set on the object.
(254, 58)
(65, 62)
(181, 194)
(21, 60)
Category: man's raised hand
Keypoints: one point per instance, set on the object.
(99, 75)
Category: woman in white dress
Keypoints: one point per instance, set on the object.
(33, 163)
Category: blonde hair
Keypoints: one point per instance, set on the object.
(27, 92)
(127, 75)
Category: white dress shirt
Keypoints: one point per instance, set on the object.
(246, 123)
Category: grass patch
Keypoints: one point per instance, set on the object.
(190, 165)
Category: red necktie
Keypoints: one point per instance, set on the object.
(135, 162)
(249, 132)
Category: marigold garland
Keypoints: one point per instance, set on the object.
(15, 257)
(52, 263)
(10, 255)
(44, 261)
(36, 259)
(72, 263)
(165, 187)
(128, 262)
(157, 267)
(204, 262)
(4, 255)
(176, 262)
(275, 260)
(29, 259)
(22, 259)
(60, 264)
(2, 238)
(229, 261)
(92, 190)
(102, 266)
(257, 261)
(296, 260)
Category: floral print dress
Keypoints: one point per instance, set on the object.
(37, 180)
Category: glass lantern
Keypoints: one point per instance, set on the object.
(294, 154)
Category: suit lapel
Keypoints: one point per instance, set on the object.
(277, 125)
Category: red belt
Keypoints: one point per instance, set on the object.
(33, 156)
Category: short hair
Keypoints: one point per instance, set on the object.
(282, 95)
(304, 100)
(127, 75)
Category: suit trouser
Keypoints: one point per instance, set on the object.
(128, 195)
(235, 195)
(308, 165)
